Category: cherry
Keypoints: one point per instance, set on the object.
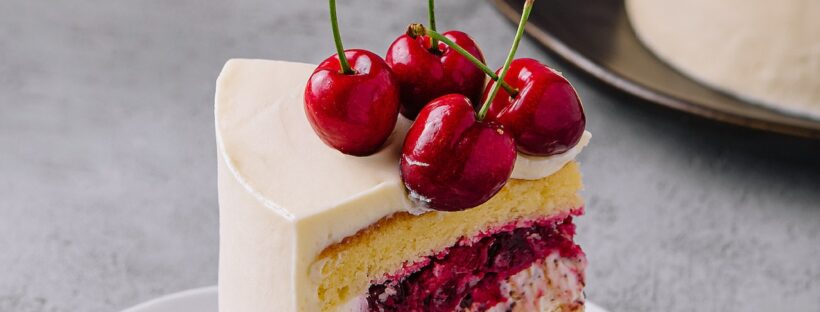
(450, 160)
(427, 68)
(546, 116)
(353, 113)
(352, 98)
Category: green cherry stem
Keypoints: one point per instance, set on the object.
(337, 37)
(431, 16)
(415, 30)
(525, 14)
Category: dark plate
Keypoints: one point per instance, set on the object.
(596, 36)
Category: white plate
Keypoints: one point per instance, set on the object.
(204, 300)
(193, 300)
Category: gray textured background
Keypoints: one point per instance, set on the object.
(107, 162)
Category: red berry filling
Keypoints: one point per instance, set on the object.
(470, 275)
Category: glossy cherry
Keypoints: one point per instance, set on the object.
(425, 74)
(546, 116)
(451, 161)
(353, 113)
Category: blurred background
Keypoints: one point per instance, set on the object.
(108, 161)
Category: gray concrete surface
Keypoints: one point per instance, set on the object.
(107, 162)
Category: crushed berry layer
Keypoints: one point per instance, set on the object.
(470, 275)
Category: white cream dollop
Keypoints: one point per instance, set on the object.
(528, 167)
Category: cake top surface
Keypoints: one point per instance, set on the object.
(264, 137)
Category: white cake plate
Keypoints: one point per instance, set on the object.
(205, 300)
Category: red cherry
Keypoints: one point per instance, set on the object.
(546, 116)
(451, 161)
(353, 113)
(424, 75)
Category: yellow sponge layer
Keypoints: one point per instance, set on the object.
(346, 269)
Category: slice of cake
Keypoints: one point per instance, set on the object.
(762, 51)
(306, 228)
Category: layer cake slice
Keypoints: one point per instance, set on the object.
(306, 228)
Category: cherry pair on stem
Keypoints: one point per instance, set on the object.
(454, 158)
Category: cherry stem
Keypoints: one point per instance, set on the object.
(415, 30)
(525, 14)
(431, 16)
(337, 37)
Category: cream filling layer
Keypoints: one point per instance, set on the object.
(269, 148)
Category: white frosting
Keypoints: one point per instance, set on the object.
(765, 51)
(280, 187)
(529, 167)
